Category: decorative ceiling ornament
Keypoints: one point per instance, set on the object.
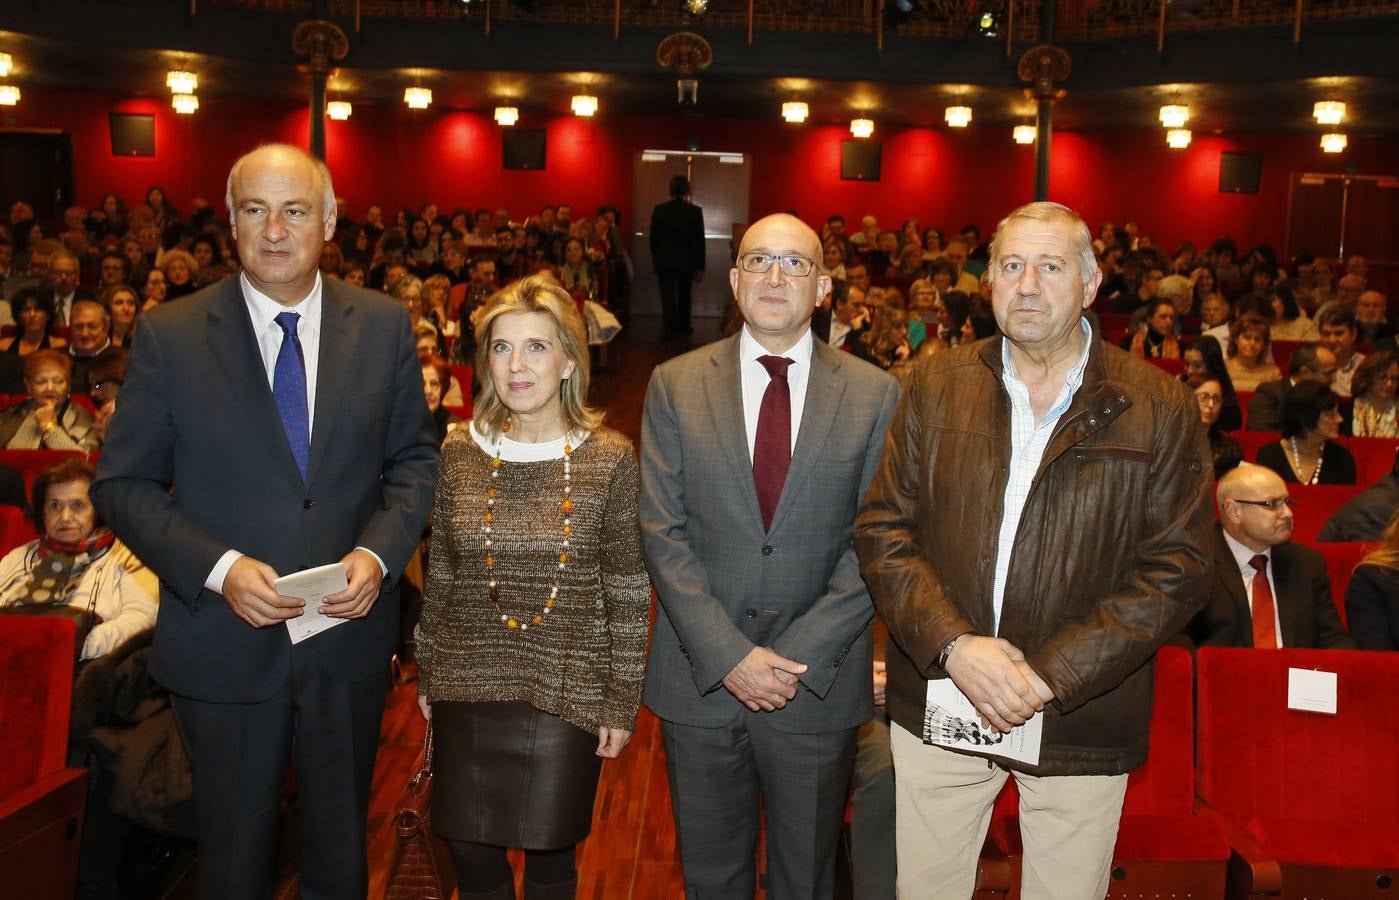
(1043, 68)
(685, 52)
(322, 43)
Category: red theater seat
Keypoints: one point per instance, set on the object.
(1282, 353)
(41, 800)
(1251, 441)
(1310, 801)
(1314, 505)
(1169, 366)
(1163, 848)
(31, 462)
(15, 529)
(1244, 398)
(1341, 559)
(1374, 458)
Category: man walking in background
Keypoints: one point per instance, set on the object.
(677, 250)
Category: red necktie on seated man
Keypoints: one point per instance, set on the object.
(1264, 619)
(772, 448)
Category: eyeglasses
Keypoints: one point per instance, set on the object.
(1209, 399)
(1274, 505)
(758, 263)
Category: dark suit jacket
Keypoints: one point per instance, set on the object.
(725, 585)
(1365, 515)
(677, 237)
(1305, 611)
(1372, 607)
(197, 463)
(1265, 409)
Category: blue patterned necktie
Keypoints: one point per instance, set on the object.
(289, 390)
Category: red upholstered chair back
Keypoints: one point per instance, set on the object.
(36, 691)
(1315, 504)
(1258, 759)
(1341, 560)
(1250, 441)
(1169, 366)
(31, 462)
(1374, 458)
(1165, 786)
(15, 529)
(1244, 398)
(1282, 353)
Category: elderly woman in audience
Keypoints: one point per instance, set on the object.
(122, 306)
(1374, 384)
(1204, 360)
(1249, 357)
(32, 308)
(1214, 312)
(1320, 286)
(180, 270)
(437, 375)
(1209, 394)
(156, 289)
(1156, 338)
(77, 562)
(1372, 598)
(47, 420)
(1308, 452)
(408, 291)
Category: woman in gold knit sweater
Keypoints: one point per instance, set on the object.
(532, 642)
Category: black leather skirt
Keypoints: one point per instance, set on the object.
(510, 775)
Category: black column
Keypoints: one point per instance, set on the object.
(318, 80)
(1045, 118)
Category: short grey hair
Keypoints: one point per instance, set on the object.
(1043, 211)
(328, 204)
(1173, 286)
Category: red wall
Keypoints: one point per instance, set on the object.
(390, 155)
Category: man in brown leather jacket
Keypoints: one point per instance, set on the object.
(1038, 526)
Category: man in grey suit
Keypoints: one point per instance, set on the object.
(270, 424)
(755, 452)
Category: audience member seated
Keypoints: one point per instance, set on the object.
(885, 342)
(1372, 598)
(849, 315)
(79, 564)
(1308, 452)
(1371, 317)
(576, 274)
(1338, 334)
(1224, 449)
(1204, 360)
(436, 376)
(955, 254)
(1156, 338)
(1249, 356)
(1376, 382)
(1289, 323)
(91, 326)
(122, 305)
(180, 270)
(155, 290)
(1290, 604)
(1214, 312)
(981, 321)
(1364, 516)
(47, 420)
(33, 312)
(925, 313)
(1309, 363)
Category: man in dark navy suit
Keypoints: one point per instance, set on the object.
(677, 250)
(269, 424)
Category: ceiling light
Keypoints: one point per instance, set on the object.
(180, 81)
(1329, 112)
(1333, 143)
(862, 128)
(958, 116)
(584, 104)
(695, 8)
(6, 62)
(185, 104)
(9, 95)
(339, 110)
(506, 116)
(1175, 116)
(794, 111)
(1178, 138)
(988, 20)
(417, 97)
(1024, 134)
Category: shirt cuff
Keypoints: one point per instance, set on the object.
(220, 571)
(383, 569)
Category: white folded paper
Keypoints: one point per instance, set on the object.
(1311, 690)
(950, 720)
(312, 586)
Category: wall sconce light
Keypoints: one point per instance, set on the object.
(1175, 116)
(417, 97)
(1024, 134)
(1329, 112)
(958, 116)
(185, 104)
(9, 95)
(339, 110)
(180, 81)
(1333, 143)
(584, 104)
(1178, 138)
(794, 111)
(505, 116)
(6, 63)
(862, 128)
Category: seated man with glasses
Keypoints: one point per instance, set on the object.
(1266, 591)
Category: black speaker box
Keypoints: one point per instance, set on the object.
(524, 148)
(859, 160)
(133, 134)
(1239, 173)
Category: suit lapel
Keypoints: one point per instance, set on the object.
(723, 392)
(234, 349)
(1226, 569)
(824, 390)
(1288, 611)
(339, 340)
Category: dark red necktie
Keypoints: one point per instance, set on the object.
(772, 449)
(1264, 631)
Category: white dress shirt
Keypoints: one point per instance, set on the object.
(755, 380)
(263, 311)
(1242, 555)
(1027, 445)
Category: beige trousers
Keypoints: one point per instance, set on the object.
(1068, 824)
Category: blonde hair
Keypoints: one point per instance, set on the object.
(535, 294)
(1386, 555)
